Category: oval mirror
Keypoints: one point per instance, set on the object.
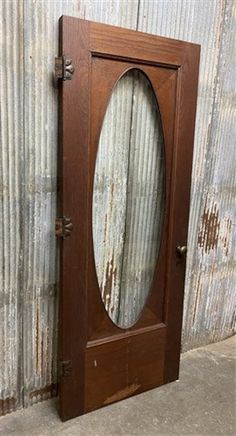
(128, 198)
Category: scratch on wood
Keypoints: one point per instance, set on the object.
(122, 393)
(209, 231)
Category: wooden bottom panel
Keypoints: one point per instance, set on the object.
(122, 368)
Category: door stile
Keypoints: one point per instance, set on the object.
(74, 120)
(187, 86)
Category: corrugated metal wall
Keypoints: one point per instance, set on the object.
(28, 137)
(128, 198)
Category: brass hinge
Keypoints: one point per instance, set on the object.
(64, 68)
(65, 368)
(63, 227)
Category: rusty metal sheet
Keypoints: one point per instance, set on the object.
(128, 198)
(211, 278)
(28, 136)
(145, 203)
(109, 197)
(11, 143)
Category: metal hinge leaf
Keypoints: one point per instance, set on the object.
(64, 68)
(65, 368)
(63, 227)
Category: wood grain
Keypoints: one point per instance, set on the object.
(105, 365)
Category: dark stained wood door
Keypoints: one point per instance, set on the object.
(100, 362)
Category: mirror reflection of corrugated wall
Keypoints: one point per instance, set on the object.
(128, 198)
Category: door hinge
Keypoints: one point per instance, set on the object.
(64, 68)
(63, 227)
(65, 368)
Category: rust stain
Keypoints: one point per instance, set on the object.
(7, 405)
(105, 229)
(226, 236)
(233, 321)
(123, 393)
(42, 356)
(112, 189)
(109, 280)
(48, 390)
(37, 339)
(197, 298)
(209, 231)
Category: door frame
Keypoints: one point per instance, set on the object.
(81, 41)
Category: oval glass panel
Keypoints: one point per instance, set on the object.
(128, 198)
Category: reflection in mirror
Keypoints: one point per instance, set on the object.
(128, 198)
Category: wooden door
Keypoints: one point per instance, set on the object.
(100, 361)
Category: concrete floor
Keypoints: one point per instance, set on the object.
(201, 403)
